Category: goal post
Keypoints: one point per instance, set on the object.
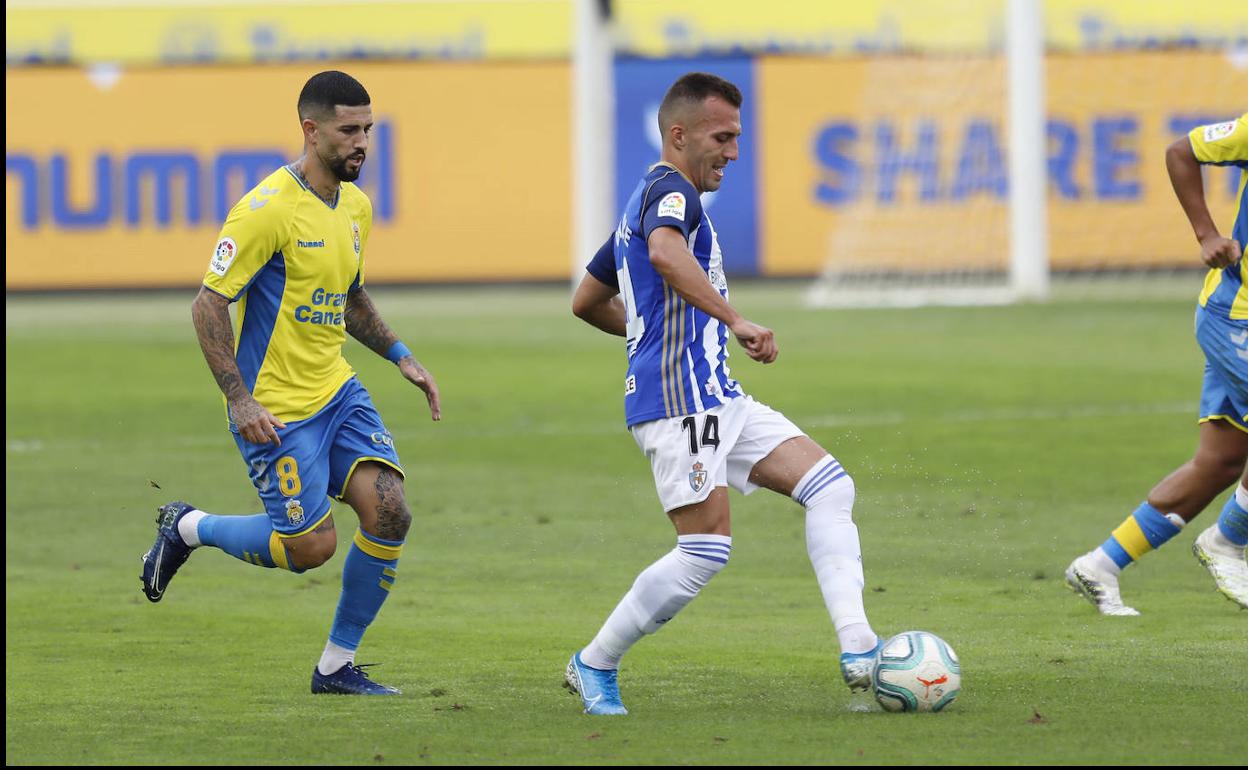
(1028, 180)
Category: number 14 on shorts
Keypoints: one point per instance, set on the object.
(709, 434)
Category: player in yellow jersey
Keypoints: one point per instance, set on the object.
(291, 254)
(1222, 331)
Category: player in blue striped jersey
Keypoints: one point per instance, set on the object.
(1222, 332)
(659, 282)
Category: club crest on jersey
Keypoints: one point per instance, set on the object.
(355, 237)
(294, 512)
(672, 205)
(697, 478)
(224, 255)
(1219, 131)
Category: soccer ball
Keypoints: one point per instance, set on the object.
(916, 671)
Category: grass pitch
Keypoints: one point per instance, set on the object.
(989, 445)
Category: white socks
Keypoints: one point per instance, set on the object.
(334, 658)
(827, 492)
(188, 527)
(1101, 561)
(666, 586)
(659, 592)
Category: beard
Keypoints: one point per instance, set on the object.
(338, 165)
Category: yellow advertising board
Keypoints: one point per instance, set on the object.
(203, 31)
(892, 162)
(819, 27)
(143, 32)
(124, 181)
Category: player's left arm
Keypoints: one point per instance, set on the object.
(366, 325)
(676, 265)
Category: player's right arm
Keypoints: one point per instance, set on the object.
(210, 313)
(671, 258)
(254, 232)
(597, 298)
(1218, 143)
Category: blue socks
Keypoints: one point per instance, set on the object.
(249, 538)
(1144, 530)
(1233, 523)
(367, 577)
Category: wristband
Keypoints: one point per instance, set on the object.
(397, 351)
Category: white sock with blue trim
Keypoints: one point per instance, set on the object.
(660, 591)
(827, 492)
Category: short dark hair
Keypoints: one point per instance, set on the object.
(326, 90)
(691, 89)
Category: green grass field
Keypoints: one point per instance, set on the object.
(989, 445)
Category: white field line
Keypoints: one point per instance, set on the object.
(846, 420)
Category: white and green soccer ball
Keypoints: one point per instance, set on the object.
(916, 671)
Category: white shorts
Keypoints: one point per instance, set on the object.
(692, 455)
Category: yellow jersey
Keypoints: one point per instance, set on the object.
(1226, 144)
(289, 258)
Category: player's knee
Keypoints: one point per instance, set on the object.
(835, 499)
(702, 560)
(394, 518)
(395, 522)
(1221, 468)
(312, 550)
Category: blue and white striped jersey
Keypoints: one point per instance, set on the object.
(677, 355)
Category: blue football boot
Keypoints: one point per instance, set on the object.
(348, 680)
(856, 669)
(168, 553)
(598, 689)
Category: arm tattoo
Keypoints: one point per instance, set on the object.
(216, 339)
(365, 324)
(393, 518)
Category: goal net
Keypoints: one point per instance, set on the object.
(959, 177)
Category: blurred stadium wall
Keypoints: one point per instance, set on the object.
(132, 127)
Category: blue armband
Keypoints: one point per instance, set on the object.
(397, 351)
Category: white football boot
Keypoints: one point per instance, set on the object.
(1225, 561)
(1098, 586)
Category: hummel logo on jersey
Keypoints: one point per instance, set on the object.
(311, 244)
(263, 192)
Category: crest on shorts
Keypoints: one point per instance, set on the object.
(355, 237)
(294, 512)
(697, 478)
